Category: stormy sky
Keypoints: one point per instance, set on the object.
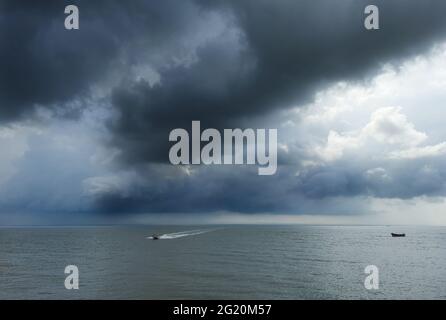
(85, 114)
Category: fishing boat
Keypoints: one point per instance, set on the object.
(398, 234)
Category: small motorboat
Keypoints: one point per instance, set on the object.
(155, 237)
(398, 234)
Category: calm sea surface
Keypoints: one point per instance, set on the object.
(223, 262)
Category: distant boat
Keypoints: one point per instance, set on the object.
(398, 234)
(155, 237)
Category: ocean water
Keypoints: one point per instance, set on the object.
(223, 262)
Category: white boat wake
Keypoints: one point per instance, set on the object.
(181, 234)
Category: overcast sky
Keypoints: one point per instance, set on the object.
(85, 114)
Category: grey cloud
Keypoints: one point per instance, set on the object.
(44, 64)
(267, 56)
(284, 52)
(212, 189)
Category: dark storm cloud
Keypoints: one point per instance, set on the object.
(267, 56)
(283, 52)
(409, 179)
(206, 190)
(41, 63)
(240, 189)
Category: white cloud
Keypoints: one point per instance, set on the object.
(398, 114)
(385, 137)
(390, 126)
(388, 129)
(420, 152)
